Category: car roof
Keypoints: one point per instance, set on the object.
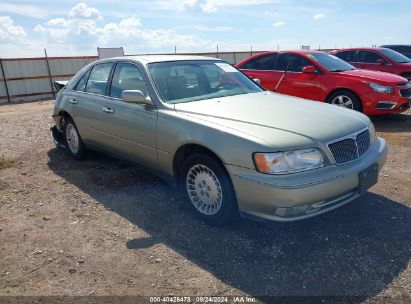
(300, 52)
(158, 58)
(393, 45)
(360, 49)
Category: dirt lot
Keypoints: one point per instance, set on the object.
(104, 227)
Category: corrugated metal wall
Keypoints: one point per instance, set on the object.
(27, 79)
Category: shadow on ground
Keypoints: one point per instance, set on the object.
(356, 250)
(392, 123)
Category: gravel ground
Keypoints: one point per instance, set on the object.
(104, 227)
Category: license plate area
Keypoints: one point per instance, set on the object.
(368, 177)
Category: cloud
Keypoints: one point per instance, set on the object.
(207, 6)
(23, 10)
(14, 37)
(269, 13)
(278, 24)
(81, 31)
(319, 16)
(197, 6)
(206, 28)
(82, 11)
(9, 32)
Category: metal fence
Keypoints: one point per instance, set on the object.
(23, 79)
(26, 79)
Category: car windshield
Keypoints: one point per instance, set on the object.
(395, 56)
(330, 62)
(191, 80)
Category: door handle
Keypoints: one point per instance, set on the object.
(73, 101)
(108, 110)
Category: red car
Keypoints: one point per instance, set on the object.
(377, 59)
(322, 77)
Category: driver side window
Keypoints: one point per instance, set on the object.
(369, 57)
(127, 76)
(291, 62)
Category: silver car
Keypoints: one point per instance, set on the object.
(227, 144)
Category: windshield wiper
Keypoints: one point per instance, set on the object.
(341, 70)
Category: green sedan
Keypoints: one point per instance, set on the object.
(230, 147)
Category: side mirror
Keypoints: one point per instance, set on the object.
(381, 61)
(135, 96)
(257, 81)
(309, 69)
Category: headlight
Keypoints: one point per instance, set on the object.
(373, 134)
(289, 161)
(381, 88)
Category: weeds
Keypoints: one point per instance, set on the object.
(5, 161)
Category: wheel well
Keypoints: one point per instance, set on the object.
(344, 89)
(184, 151)
(63, 115)
(406, 75)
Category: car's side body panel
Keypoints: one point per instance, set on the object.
(233, 128)
(321, 85)
(388, 65)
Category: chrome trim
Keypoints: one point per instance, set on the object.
(352, 136)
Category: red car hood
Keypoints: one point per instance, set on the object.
(375, 76)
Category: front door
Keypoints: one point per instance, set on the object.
(296, 83)
(129, 129)
(369, 60)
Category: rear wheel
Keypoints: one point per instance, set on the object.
(345, 99)
(74, 143)
(206, 189)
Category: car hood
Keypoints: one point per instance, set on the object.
(277, 119)
(374, 76)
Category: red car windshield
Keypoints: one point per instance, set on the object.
(331, 63)
(395, 56)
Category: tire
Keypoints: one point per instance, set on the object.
(206, 189)
(346, 99)
(74, 144)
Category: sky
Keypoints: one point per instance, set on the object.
(69, 28)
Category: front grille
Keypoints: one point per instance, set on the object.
(350, 148)
(363, 142)
(405, 92)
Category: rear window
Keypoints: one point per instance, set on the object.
(349, 56)
(81, 85)
(264, 62)
(97, 82)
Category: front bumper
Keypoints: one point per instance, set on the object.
(378, 103)
(57, 137)
(302, 195)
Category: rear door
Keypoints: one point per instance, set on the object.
(369, 60)
(349, 56)
(262, 68)
(86, 101)
(129, 129)
(296, 83)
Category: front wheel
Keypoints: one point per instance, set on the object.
(345, 99)
(74, 143)
(206, 188)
